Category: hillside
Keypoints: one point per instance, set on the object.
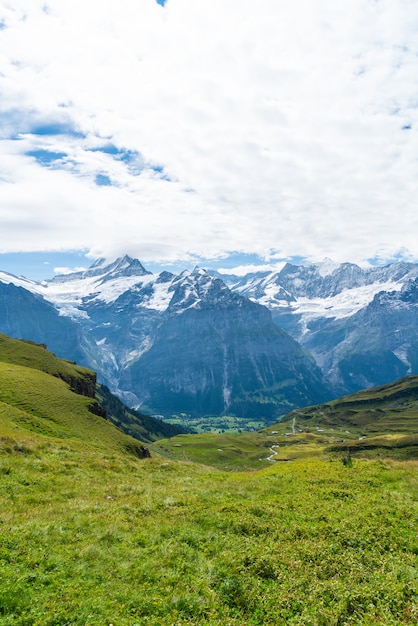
(143, 427)
(92, 535)
(44, 399)
(384, 417)
(80, 380)
(382, 421)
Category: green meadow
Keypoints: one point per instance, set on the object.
(207, 531)
(96, 538)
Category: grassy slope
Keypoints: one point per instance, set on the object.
(36, 357)
(32, 355)
(92, 536)
(35, 401)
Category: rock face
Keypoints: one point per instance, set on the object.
(182, 343)
(27, 315)
(361, 325)
(216, 352)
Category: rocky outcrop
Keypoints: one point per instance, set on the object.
(84, 385)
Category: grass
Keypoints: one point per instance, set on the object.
(91, 535)
(97, 539)
(243, 451)
(33, 403)
(35, 356)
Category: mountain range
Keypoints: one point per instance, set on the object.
(202, 343)
(359, 324)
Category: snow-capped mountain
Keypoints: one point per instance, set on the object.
(361, 325)
(376, 345)
(320, 290)
(102, 281)
(183, 343)
(205, 343)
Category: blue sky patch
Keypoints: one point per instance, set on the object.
(161, 2)
(131, 158)
(159, 169)
(56, 128)
(127, 156)
(46, 157)
(108, 148)
(103, 180)
(40, 265)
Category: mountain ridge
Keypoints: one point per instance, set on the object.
(224, 352)
(123, 315)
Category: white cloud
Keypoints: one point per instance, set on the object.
(274, 128)
(242, 270)
(68, 270)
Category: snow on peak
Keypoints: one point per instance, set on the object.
(103, 269)
(327, 267)
(19, 281)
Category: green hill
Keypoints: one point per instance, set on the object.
(383, 419)
(92, 535)
(38, 401)
(82, 381)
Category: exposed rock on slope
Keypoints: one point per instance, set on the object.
(216, 352)
(359, 324)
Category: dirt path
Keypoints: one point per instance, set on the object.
(273, 453)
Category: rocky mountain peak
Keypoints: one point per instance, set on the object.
(125, 266)
(198, 289)
(105, 270)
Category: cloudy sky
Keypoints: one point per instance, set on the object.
(184, 130)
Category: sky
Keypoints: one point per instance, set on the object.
(210, 133)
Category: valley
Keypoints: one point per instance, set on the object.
(378, 423)
(215, 423)
(268, 527)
